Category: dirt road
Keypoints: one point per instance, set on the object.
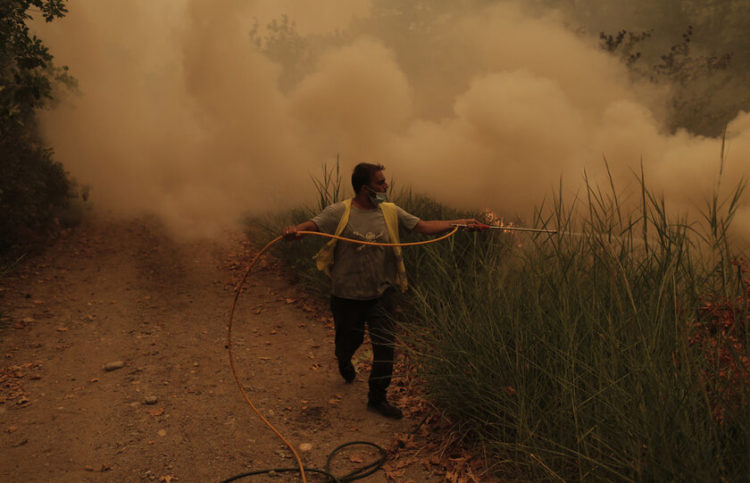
(114, 367)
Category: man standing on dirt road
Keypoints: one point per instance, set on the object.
(364, 277)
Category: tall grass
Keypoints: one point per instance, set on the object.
(575, 356)
(615, 350)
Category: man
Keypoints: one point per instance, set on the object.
(364, 277)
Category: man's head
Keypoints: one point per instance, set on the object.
(369, 175)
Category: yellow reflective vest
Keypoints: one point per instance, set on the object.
(324, 258)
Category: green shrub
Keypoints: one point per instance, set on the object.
(33, 189)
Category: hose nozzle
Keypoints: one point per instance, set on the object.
(483, 227)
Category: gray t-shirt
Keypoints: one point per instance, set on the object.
(362, 272)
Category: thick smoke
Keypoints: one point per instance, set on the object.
(182, 114)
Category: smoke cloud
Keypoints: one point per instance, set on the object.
(182, 114)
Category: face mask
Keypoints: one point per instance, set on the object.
(377, 197)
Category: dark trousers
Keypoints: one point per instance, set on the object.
(349, 318)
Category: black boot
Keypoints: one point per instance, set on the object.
(346, 369)
(384, 408)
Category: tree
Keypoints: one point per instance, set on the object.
(33, 187)
(26, 69)
(696, 81)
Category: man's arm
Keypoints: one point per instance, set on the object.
(434, 227)
(291, 232)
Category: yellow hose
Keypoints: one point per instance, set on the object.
(238, 291)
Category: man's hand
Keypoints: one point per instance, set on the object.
(436, 227)
(469, 224)
(291, 232)
(472, 224)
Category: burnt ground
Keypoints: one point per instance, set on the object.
(114, 368)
